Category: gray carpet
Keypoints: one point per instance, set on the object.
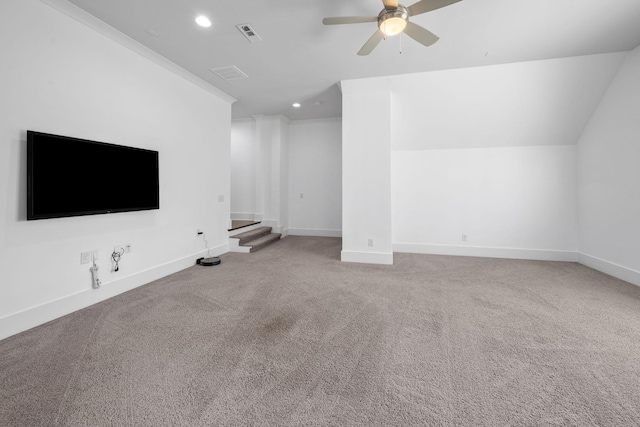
(290, 336)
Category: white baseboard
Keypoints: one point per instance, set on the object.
(273, 223)
(607, 267)
(35, 316)
(317, 232)
(487, 252)
(610, 268)
(234, 246)
(243, 216)
(367, 257)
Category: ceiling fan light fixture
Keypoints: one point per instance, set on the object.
(394, 21)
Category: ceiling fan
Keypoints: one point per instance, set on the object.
(394, 19)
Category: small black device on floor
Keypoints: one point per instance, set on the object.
(208, 262)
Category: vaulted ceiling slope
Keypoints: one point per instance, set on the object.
(298, 59)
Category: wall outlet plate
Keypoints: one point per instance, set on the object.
(85, 257)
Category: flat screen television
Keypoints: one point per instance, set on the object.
(72, 177)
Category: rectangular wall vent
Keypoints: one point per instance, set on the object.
(229, 73)
(249, 33)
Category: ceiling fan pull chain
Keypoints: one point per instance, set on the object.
(400, 43)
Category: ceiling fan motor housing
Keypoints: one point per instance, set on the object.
(393, 21)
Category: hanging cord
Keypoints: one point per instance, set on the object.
(206, 243)
(115, 256)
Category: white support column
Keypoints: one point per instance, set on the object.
(258, 163)
(366, 172)
(271, 145)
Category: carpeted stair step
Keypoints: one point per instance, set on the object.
(250, 235)
(262, 241)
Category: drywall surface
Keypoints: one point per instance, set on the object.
(283, 220)
(315, 177)
(474, 201)
(522, 104)
(366, 171)
(488, 152)
(259, 177)
(243, 180)
(271, 134)
(609, 178)
(60, 76)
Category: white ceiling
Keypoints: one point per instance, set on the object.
(300, 60)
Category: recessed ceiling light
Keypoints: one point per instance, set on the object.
(296, 105)
(203, 21)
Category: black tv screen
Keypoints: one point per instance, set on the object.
(71, 177)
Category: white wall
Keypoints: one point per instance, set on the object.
(60, 76)
(274, 160)
(510, 105)
(269, 153)
(315, 172)
(283, 224)
(366, 171)
(487, 151)
(609, 178)
(243, 179)
(508, 201)
(490, 152)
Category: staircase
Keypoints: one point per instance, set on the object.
(253, 240)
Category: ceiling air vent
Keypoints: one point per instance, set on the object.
(249, 33)
(229, 73)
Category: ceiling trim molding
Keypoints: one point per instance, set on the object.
(101, 27)
(271, 117)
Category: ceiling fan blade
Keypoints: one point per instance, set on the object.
(349, 20)
(390, 4)
(371, 43)
(424, 6)
(420, 34)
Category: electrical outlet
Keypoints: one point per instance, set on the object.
(371, 242)
(464, 237)
(302, 195)
(221, 198)
(85, 257)
(127, 248)
(95, 255)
